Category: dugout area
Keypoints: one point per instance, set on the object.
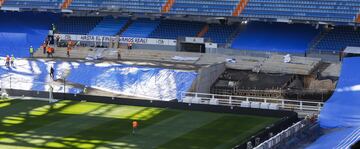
(106, 122)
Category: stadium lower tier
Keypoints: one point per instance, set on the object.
(25, 29)
(19, 31)
(69, 124)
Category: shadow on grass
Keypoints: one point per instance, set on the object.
(23, 123)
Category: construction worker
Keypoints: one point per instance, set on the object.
(49, 52)
(44, 47)
(130, 45)
(52, 72)
(31, 51)
(135, 124)
(85, 90)
(68, 51)
(12, 60)
(57, 40)
(7, 61)
(53, 28)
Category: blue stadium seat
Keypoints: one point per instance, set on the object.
(109, 26)
(220, 33)
(338, 38)
(275, 37)
(77, 25)
(38, 4)
(321, 10)
(150, 6)
(20, 30)
(204, 7)
(171, 29)
(141, 28)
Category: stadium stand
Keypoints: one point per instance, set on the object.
(171, 29)
(275, 37)
(204, 7)
(109, 26)
(77, 25)
(42, 4)
(337, 39)
(334, 10)
(221, 34)
(141, 28)
(149, 6)
(22, 30)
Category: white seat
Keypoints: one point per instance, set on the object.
(255, 104)
(245, 104)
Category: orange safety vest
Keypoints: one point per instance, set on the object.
(48, 49)
(135, 124)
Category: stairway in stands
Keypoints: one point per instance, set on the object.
(233, 35)
(125, 27)
(317, 40)
(141, 28)
(66, 4)
(203, 31)
(109, 26)
(167, 7)
(240, 7)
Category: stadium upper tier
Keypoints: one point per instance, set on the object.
(36, 4)
(321, 10)
(276, 37)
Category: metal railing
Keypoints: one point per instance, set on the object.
(251, 102)
(287, 133)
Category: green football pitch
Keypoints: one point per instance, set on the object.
(70, 124)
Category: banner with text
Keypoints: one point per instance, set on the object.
(106, 39)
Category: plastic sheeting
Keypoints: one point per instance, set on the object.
(341, 112)
(154, 83)
(31, 75)
(342, 109)
(342, 138)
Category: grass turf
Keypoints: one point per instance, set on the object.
(69, 124)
